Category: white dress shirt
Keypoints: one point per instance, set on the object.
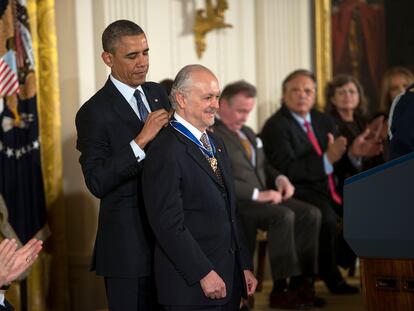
(327, 165)
(128, 93)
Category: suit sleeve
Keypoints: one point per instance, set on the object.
(244, 190)
(104, 168)
(402, 128)
(7, 306)
(165, 211)
(297, 161)
(271, 174)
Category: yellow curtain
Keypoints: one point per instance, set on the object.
(47, 284)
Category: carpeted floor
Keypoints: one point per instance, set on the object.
(334, 302)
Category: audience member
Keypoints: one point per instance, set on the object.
(292, 226)
(299, 141)
(346, 103)
(394, 82)
(200, 260)
(14, 262)
(114, 128)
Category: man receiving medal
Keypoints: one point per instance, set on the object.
(200, 260)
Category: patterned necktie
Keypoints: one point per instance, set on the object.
(246, 146)
(311, 136)
(212, 161)
(143, 112)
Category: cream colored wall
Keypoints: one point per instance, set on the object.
(269, 38)
(77, 82)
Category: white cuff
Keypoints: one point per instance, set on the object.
(356, 161)
(2, 298)
(255, 194)
(327, 165)
(138, 152)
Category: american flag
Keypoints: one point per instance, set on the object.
(9, 82)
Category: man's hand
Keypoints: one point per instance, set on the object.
(336, 148)
(7, 250)
(24, 257)
(251, 282)
(156, 120)
(213, 286)
(285, 187)
(366, 144)
(271, 196)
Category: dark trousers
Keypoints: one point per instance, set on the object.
(131, 294)
(328, 238)
(232, 305)
(292, 234)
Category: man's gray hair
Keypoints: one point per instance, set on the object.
(183, 80)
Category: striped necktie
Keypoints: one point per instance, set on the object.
(143, 112)
(246, 146)
(212, 161)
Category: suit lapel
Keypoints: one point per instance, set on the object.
(195, 153)
(226, 175)
(297, 128)
(153, 99)
(319, 131)
(234, 138)
(253, 143)
(122, 108)
(223, 168)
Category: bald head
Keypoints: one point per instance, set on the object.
(183, 80)
(194, 95)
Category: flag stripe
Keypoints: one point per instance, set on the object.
(9, 83)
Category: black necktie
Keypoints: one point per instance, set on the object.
(143, 112)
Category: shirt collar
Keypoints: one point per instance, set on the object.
(124, 89)
(195, 131)
(2, 299)
(300, 119)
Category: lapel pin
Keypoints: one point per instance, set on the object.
(156, 100)
(219, 150)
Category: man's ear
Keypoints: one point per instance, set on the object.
(181, 100)
(107, 58)
(224, 105)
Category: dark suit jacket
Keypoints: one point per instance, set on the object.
(7, 306)
(193, 217)
(288, 149)
(246, 176)
(402, 128)
(106, 124)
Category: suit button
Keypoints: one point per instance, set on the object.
(231, 250)
(232, 220)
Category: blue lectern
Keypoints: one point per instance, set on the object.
(379, 227)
